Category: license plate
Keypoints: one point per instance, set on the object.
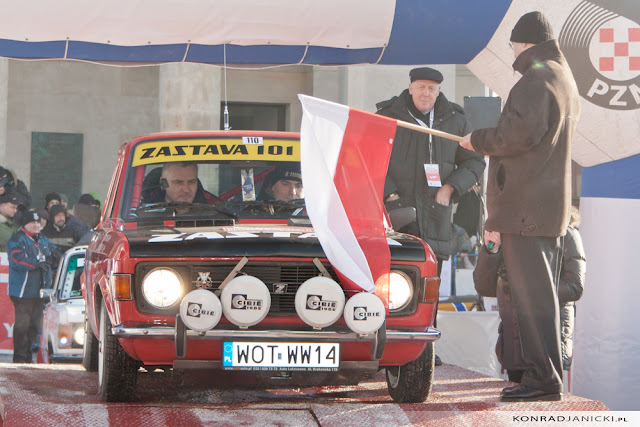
(273, 356)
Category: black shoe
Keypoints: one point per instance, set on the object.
(525, 393)
(509, 388)
(438, 361)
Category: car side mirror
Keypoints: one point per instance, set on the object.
(47, 294)
(402, 216)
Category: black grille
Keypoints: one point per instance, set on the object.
(282, 279)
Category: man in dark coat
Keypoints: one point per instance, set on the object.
(453, 169)
(62, 229)
(491, 280)
(529, 196)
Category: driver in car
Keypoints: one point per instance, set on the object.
(178, 183)
(285, 184)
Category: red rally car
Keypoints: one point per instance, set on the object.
(200, 262)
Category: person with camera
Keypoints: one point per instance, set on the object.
(10, 184)
(9, 204)
(31, 260)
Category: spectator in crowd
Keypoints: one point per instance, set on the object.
(86, 211)
(9, 202)
(44, 217)
(31, 256)
(452, 169)
(469, 212)
(96, 199)
(491, 280)
(51, 199)
(61, 231)
(462, 246)
(529, 196)
(284, 184)
(64, 201)
(10, 183)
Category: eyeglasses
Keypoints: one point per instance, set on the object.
(511, 46)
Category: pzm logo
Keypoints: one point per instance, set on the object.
(315, 302)
(194, 309)
(241, 302)
(361, 313)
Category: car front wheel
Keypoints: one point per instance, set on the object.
(90, 348)
(117, 371)
(411, 383)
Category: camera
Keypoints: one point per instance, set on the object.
(7, 182)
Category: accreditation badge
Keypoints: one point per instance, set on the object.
(432, 171)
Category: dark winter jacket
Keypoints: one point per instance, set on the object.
(27, 274)
(459, 167)
(529, 183)
(67, 236)
(490, 278)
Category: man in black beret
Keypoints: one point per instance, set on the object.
(425, 171)
(529, 196)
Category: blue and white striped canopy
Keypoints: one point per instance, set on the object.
(251, 32)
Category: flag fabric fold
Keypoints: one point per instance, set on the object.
(344, 159)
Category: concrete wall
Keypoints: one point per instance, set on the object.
(108, 105)
(279, 85)
(189, 97)
(4, 87)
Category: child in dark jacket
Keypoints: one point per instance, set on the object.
(491, 280)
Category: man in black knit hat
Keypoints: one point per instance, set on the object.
(529, 196)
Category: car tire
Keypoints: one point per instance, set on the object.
(89, 348)
(117, 371)
(411, 383)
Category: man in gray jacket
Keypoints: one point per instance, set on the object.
(529, 196)
(429, 172)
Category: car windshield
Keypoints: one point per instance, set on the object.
(69, 286)
(219, 179)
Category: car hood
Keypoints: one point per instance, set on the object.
(261, 241)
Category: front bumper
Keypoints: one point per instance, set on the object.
(167, 332)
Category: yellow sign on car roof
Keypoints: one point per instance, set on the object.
(207, 149)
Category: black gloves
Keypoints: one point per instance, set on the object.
(45, 265)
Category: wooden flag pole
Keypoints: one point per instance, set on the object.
(435, 132)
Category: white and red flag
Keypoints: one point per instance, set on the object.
(344, 159)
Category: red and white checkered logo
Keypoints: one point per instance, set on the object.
(615, 49)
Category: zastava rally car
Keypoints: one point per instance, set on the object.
(205, 259)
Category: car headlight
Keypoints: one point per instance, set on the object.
(400, 290)
(78, 336)
(162, 287)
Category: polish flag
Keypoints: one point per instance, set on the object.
(344, 159)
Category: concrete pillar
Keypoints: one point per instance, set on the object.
(4, 96)
(189, 97)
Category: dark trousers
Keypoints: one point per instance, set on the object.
(28, 321)
(532, 265)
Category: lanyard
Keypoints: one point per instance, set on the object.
(424, 125)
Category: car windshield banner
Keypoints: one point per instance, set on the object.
(207, 149)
